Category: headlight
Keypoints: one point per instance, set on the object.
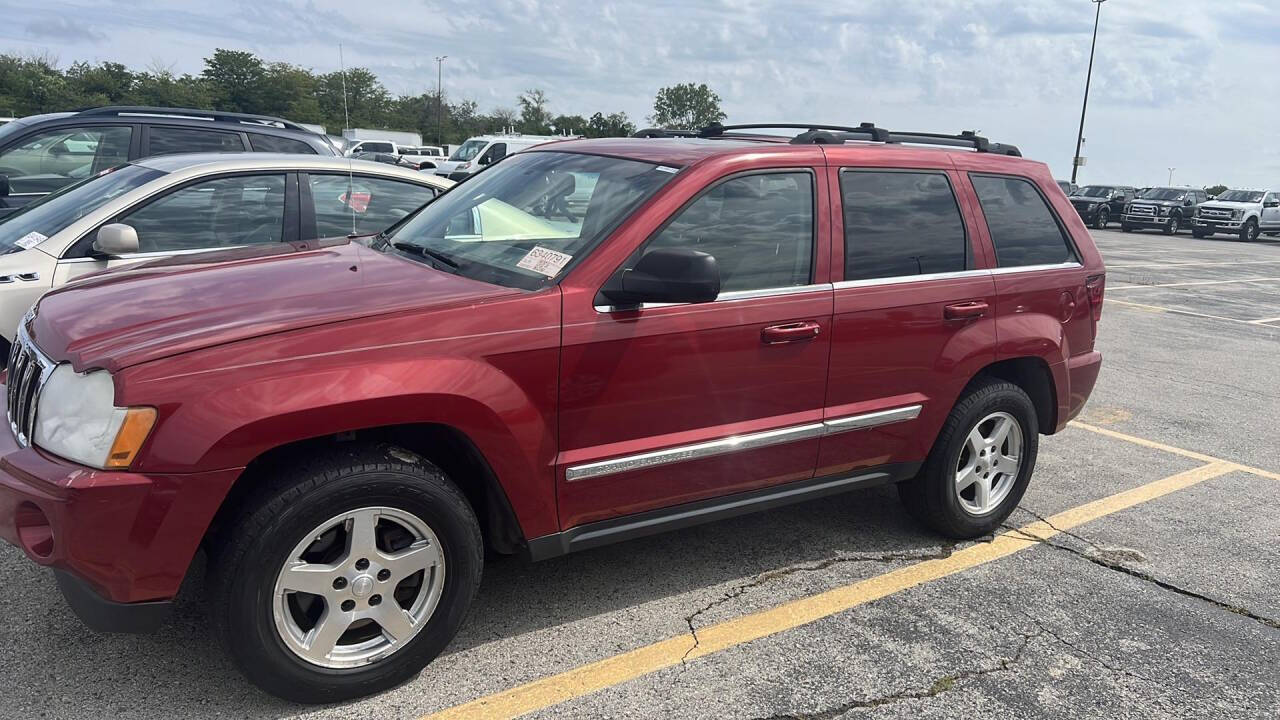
(1159, 210)
(77, 419)
(1237, 214)
(1093, 206)
(465, 166)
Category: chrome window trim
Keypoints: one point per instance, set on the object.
(896, 279)
(153, 254)
(735, 443)
(726, 297)
(873, 419)
(1071, 265)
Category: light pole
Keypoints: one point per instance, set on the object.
(439, 101)
(1075, 159)
(1171, 174)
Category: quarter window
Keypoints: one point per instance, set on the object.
(373, 204)
(900, 223)
(276, 144)
(759, 228)
(218, 213)
(1023, 229)
(169, 140)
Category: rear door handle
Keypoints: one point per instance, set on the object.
(965, 310)
(791, 332)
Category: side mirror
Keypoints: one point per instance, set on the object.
(1187, 201)
(669, 275)
(1271, 204)
(116, 239)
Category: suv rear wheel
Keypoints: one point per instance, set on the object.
(980, 464)
(347, 577)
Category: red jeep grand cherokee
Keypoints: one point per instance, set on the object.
(590, 341)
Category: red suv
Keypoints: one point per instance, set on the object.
(588, 342)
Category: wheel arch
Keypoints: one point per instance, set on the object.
(1035, 377)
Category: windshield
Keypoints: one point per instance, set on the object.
(1245, 196)
(1099, 191)
(52, 213)
(468, 150)
(1164, 194)
(520, 222)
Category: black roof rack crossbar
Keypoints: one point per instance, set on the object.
(666, 133)
(117, 110)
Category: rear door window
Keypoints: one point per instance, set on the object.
(1023, 229)
(373, 204)
(758, 227)
(216, 213)
(170, 140)
(899, 224)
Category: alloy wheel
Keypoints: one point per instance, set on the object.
(358, 587)
(987, 468)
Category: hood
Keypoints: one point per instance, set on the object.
(447, 165)
(120, 318)
(1161, 203)
(1081, 200)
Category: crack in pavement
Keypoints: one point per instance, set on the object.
(1147, 577)
(940, 685)
(765, 577)
(1081, 652)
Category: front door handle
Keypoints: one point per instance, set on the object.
(791, 332)
(965, 310)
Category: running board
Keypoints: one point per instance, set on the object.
(652, 522)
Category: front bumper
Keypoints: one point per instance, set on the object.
(119, 541)
(1086, 214)
(1157, 221)
(1214, 225)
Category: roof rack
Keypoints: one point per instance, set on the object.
(666, 133)
(193, 114)
(818, 134)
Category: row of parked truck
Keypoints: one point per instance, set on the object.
(1245, 213)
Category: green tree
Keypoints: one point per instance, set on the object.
(611, 125)
(1216, 189)
(686, 106)
(569, 125)
(236, 80)
(535, 118)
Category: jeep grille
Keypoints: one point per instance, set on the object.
(28, 370)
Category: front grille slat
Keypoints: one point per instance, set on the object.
(28, 369)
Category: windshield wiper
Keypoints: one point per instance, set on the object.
(427, 252)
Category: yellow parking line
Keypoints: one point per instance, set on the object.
(1171, 449)
(618, 669)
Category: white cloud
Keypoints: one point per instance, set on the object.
(1176, 83)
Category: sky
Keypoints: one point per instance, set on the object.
(1187, 84)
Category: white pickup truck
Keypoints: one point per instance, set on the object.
(1246, 213)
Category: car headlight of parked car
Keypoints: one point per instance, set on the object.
(1093, 206)
(1237, 214)
(77, 419)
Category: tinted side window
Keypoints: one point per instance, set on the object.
(900, 223)
(45, 161)
(274, 143)
(376, 203)
(169, 140)
(759, 228)
(1022, 228)
(222, 212)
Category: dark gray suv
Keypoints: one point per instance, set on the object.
(42, 153)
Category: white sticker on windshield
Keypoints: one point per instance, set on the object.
(544, 260)
(664, 168)
(31, 240)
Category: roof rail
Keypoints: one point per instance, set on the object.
(868, 131)
(666, 133)
(194, 114)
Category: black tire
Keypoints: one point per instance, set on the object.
(1249, 231)
(1104, 217)
(251, 548)
(931, 497)
(1199, 234)
(1174, 225)
(1126, 228)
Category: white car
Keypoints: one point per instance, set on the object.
(178, 204)
(1246, 213)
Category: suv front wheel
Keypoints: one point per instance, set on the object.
(346, 574)
(1249, 231)
(980, 464)
(1104, 217)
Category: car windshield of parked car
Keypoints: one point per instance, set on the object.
(1244, 196)
(1164, 194)
(468, 150)
(1095, 191)
(52, 213)
(522, 221)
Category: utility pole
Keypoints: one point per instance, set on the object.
(1171, 174)
(1075, 159)
(440, 102)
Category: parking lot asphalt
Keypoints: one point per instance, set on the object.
(1148, 592)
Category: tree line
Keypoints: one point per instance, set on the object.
(237, 81)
